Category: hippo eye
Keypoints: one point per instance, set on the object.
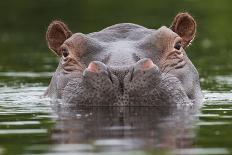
(65, 53)
(178, 45)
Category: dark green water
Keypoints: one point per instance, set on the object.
(30, 124)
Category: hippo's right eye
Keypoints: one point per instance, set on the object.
(65, 52)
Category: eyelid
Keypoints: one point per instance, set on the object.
(177, 40)
(64, 51)
(177, 43)
(63, 48)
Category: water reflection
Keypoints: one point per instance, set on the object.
(109, 129)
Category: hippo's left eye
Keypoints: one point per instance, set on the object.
(178, 46)
(65, 53)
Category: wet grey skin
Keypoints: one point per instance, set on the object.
(125, 65)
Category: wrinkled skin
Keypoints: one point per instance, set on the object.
(125, 65)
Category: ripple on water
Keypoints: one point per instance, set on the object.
(19, 123)
(23, 100)
(22, 116)
(202, 151)
(224, 97)
(26, 74)
(215, 122)
(22, 131)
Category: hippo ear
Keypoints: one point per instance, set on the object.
(56, 34)
(185, 26)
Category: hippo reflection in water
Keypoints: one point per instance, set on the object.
(125, 65)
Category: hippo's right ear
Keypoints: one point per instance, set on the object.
(185, 26)
(56, 34)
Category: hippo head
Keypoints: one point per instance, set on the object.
(125, 65)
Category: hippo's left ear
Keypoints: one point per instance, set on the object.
(185, 26)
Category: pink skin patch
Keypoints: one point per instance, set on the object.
(93, 67)
(147, 64)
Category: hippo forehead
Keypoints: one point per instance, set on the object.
(122, 44)
(123, 31)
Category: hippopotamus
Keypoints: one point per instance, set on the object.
(125, 65)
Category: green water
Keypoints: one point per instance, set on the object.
(31, 124)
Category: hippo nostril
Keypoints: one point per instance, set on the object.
(132, 74)
(93, 67)
(110, 76)
(97, 69)
(145, 64)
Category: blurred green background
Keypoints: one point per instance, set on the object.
(24, 22)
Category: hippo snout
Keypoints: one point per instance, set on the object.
(98, 73)
(138, 85)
